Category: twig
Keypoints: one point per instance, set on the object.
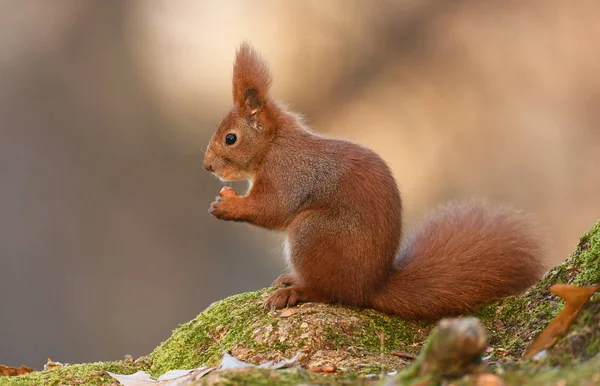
(403, 354)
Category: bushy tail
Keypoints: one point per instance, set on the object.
(460, 258)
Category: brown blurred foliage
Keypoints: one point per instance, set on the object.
(105, 106)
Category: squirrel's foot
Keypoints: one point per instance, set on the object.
(290, 296)
(284, 280)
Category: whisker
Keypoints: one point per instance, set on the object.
(278, 248)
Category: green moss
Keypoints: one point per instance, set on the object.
(92, 374)
(397, 334)
(584, 374)
(288, 377)
(587, 258)
(255, 377)
(229, 321)
(593, 347)
(580, 374)
(374, 369)
(379, 333)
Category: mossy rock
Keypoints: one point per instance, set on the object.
(350, 338)
(356, 341)
(92, 374)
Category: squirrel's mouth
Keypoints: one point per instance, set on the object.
(227, 177)
(227, 173)
(219, 176)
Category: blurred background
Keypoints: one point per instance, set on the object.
(105, 240)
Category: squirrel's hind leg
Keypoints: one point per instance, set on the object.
(291, 296)
(285, 280)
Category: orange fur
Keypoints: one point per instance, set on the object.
(340, 207)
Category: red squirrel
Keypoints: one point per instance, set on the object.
(341, 209)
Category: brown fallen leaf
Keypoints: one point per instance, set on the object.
(14, 371)
(323, 369)
(575, 297)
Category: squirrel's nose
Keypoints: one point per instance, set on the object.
(208, 166)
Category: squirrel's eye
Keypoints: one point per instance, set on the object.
(230, 138)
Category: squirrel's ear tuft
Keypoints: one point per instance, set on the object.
(252, 101)
(251, 80)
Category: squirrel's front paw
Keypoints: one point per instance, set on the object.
(281, 298)
(223, 208)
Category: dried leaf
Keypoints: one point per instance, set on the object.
(575, 297)
(181, 377)
(185, 379)
(281, 364)
(172, 374)
(51, 365)
(323, 369)
(230, 362)
(289, 312)
(170, 378)
(141, 378)
(14, 371)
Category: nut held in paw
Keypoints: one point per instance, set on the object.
(227, 191)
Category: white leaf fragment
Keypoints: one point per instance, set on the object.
(182, 377)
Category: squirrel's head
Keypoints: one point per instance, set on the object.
(242, 138)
